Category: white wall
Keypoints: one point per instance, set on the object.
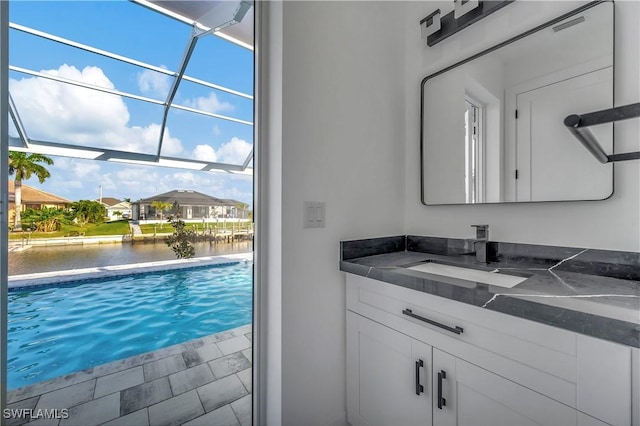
(343, 143)
(610, 224)
(351, 76)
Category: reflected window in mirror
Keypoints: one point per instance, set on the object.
(473, 124)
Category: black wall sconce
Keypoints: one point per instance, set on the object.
(436, 28)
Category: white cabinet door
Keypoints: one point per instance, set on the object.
(605, 380)
(467, 395)
(382, 386)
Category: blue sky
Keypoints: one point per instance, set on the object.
(63, 113)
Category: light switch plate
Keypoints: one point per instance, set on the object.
(313, 215)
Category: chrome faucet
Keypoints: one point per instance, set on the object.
(480, 242)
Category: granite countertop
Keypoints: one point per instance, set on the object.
(593, 292)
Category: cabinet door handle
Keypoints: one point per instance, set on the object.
(441, 401)
(456, 329)
(419, 387)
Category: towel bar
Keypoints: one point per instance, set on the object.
(577, 125)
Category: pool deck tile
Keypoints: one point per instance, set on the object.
(190, 378)
(119, 381)
(44, 422)
(242, 409)
(234, 345)
(243, 330)
(94, 412)
(223, 416)
(225, 335)
(221, 392)
(137, 418)
(123, 364)
(177, 410)
(246, 377)
(229, 364)
(191, 358)
(49, 385)
(144, 395)
(163, 367)
(27, 404)
(68, 397)
(208, 352)
(172, 386)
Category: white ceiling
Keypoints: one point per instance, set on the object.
(211, 13)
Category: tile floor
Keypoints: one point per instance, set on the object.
(206, 381)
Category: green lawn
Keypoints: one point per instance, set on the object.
(117, 227)
(148, 229)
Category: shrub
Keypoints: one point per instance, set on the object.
(180, 240)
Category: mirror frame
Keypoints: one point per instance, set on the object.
(489, 50)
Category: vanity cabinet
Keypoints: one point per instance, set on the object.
(479, 367)
(389, 376)
(467, 395)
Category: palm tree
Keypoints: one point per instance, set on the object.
(161, 206)
(23, 165)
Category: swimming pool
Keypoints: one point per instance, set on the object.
(53, 331)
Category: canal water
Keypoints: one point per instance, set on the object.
(47, 259)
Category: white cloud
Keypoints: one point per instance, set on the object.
(238, 195)
(153, 82)
(74, 184)
(235, 151)
(205, 153)
(139, 176)
(209, 103)
(107, 183)
(185, 180)
(216, 130)
(84, 169)
(71, 114)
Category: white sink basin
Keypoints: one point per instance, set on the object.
(468, 274)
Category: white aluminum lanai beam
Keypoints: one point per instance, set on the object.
(17, 122)
(232, 15)
(223, 15)
(125, 94)
(191, 45)
(85, 85)
(124, 59)
(46, 147)
(242, 38)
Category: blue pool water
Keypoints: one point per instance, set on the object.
(57, 330)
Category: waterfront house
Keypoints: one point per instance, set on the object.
(189, 204)
(33, 198)
(116, 209)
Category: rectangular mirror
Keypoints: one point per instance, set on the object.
(492, 125)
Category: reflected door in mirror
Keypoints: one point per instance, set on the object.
(475, 150)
